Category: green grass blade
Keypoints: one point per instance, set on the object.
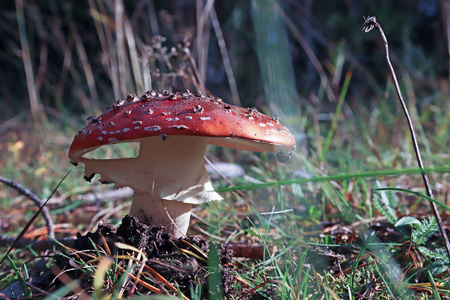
(333, 127)
(433, 287)
(368, 174)
(357, 259)
(415, 193)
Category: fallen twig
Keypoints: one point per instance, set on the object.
(38, 245)
(33, 197)
(27, 226)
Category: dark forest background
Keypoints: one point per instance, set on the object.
(60, 58)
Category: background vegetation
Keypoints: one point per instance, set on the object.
(62, 61)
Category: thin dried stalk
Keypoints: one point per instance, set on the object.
(36, 106)
(120, 45)
(309, 52)
(203, 36)
(225, 57)
(369, 24)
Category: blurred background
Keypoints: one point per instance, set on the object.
(63, 59)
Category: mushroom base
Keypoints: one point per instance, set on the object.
(174, 216)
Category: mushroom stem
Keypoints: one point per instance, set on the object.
(167, 177)
(173, 215)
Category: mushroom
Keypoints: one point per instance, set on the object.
(173, 130)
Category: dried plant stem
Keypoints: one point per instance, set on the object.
(369, 24)
(309, 52)
(37, 109)
(225, 57)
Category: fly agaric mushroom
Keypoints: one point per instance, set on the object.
(173, 129)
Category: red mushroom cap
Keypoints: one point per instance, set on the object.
(156, 114)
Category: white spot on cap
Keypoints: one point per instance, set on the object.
(152, 128)
(198, 109)
(262, 124)
(126, 129)
(100, 138)
(104, 132)
(172, 119)
(112, 140)
(205, 118)
(179, 127)
(137, 127)
(188, 117)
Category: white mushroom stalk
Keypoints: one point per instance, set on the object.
(167, 177)
(173, 130)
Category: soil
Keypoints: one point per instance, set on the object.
(183, 263)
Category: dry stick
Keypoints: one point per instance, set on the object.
(225, 57)
(309, 52)
(369, 24)
(38, 245)
(36, 107)
(27, 193)
(24, 230)
(202, 35)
